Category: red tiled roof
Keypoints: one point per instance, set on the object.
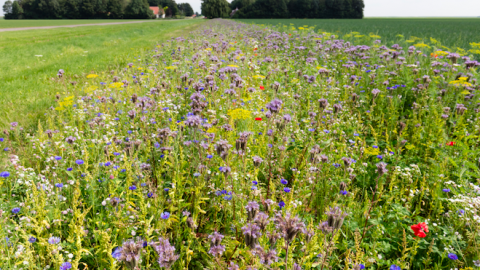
(155, 10)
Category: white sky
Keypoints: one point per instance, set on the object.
(398, 8)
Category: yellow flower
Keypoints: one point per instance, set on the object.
(235, 66)
(260, 77)
(239, 114)
(171, 67)
(375, 36)
(116, 85)
(208, 49)
(421, 45)
(440, 53)
(372, 151)
(89, 76)
(91, 88)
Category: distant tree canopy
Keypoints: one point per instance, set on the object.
(298, 8)
(215, 8)
(78, 9)
(186, 9)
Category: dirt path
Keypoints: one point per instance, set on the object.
(62, 26)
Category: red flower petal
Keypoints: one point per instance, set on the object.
(262, 88)
(258, 119)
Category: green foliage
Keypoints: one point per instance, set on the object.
(138, 9)
(115, 8)
(215, 8)
(17, 10)
(185, 9)
(264, 9)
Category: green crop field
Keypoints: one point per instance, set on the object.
(449, 31)
(36, 23)
(30, 59)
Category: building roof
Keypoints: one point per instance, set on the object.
(155, 10)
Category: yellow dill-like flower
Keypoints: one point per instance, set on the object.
(294, 80)
(212, 130)
(462, 81)
(375, 36)
(239, 114)
(259, 77)
(235, 66)
(208, 49)
(409, 40)
(116, 85)
(171, 67)
(440, 53)
(372, 151)
(434, 41)
(474, 51)
(300, 28)
(421, 45)
(91, 88)
(90, 76)
(66, 102)
(475, 45)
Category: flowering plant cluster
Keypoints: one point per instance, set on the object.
(249, 147)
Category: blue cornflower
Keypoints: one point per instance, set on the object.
(54, 240)
(284, 181)
(123, 170)
(446, 190)
(326, 131)
(196, 174)
(228, 197)
(1, 139)
(311, 129)
(395, 267)
(343, 192)
(4, 174)
(58, 158)
(374, 146)
(66, 266)
(270, 145)
(286, 189)
(361, 266)
(79, 161)
(150, 195)
(59, 185)
(165, 215)
(143, 184)
(117, 252)
(166, 189)
(108, 163)
(254, 182)
(461, 212)
(281, 204)
(69, 169)
(254, 188)
(132, 187)
(452, 256)
(336, 165)
(157, 145)
(32, 239)
(380, 157)
(16, 210)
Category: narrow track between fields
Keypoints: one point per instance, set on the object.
(63, 26)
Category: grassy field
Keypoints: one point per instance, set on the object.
(36, 23)
(30, 59)
(450, 31)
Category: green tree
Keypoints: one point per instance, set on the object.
(138, 9)
(7, 10)
(47, 9)
(17, 10)
(71, 9)
(264, 9)
(115, 8)
(240, 3)
(358, 6)
(215, 8)
(186, 9)
(88, 9)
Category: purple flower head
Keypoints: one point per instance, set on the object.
(54, 240)
(16, 210)
(165, 215)
(166, 253)
(274, 106)
(66, 266)
(286, 189)
(452, 256)
(281, 204)
(79, 162)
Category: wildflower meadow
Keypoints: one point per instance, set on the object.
(243, 146)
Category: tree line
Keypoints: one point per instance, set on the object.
(92, 9)
(348, 9)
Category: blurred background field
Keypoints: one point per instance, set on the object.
(449, 31)
(37, 23)
(30, 59)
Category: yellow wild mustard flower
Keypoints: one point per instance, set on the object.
(239, 114)
(90, 76)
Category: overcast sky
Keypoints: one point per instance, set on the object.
(400, 8)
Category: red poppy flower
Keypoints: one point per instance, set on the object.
(450, 143)
(255, 54)
(255, 49)
(262, 88)
(258, 119)
(420, 229)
